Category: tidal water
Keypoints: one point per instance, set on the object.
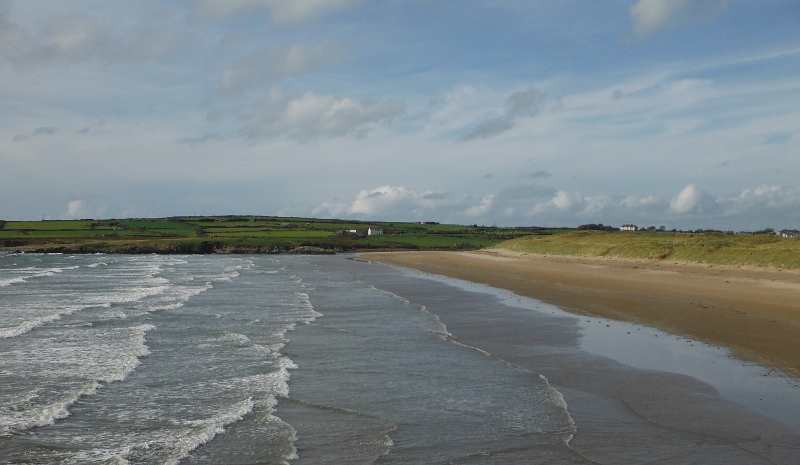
(114, 359)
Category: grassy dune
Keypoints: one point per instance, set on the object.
(761, 250)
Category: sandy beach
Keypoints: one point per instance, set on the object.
(753, 312)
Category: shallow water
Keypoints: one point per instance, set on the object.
(293, 359)
(766, 390)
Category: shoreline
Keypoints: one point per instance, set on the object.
(633, 397)
(753, 312)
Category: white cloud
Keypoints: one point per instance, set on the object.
(639, 202)
(74, 35)
(691, 199)
(382, 198)
(281, 11)
(564, 200)
(385, 199)
(691, 208)
(78, 36)
(483, 208)
(279, 63)
(651, 16)
(313, 115)
(767, 206)
(393, 202)
(576, 207)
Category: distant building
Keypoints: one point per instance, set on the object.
(789, 233)
(375, 232)
(629, 227)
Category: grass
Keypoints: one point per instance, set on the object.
(262, 232)
(268, 233)
(48, 225)
(762, 250)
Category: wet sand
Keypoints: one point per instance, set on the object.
(637, 395)
(753, 312)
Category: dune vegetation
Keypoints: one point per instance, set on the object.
(761, 250)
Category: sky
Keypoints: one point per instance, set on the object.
(681, 113)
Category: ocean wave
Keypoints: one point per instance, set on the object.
(26, 326)
(33, 273)
(304, 302)
(175, 296)
(190, 434)
(55, 312)
(438, 326)
(96, 364)
(205, 430)
(172, 448)
(131, 354)
(234, 338)
(26, 413)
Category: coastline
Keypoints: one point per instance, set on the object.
(633, 397)
(753, 312)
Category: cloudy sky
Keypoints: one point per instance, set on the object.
(683, 113)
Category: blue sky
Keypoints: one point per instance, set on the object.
(683, 113)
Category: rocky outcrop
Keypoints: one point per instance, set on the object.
(309, 250)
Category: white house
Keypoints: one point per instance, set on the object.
(789, 233)
(628, 227)
(375, 232)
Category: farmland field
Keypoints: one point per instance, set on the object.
(243, 234)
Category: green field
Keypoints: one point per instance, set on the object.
(713, 248)
(243, 234)
(263, 234)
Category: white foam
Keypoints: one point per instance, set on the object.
(234, 338)
(56, 312)
(26, 326)
(53, 303)
(176, 297)
(33, 272)
(192, 434)
(25, 414)
(439, 327)
(305, 303)
(104, 357)
(205, 430)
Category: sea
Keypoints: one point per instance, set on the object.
(291, 359)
